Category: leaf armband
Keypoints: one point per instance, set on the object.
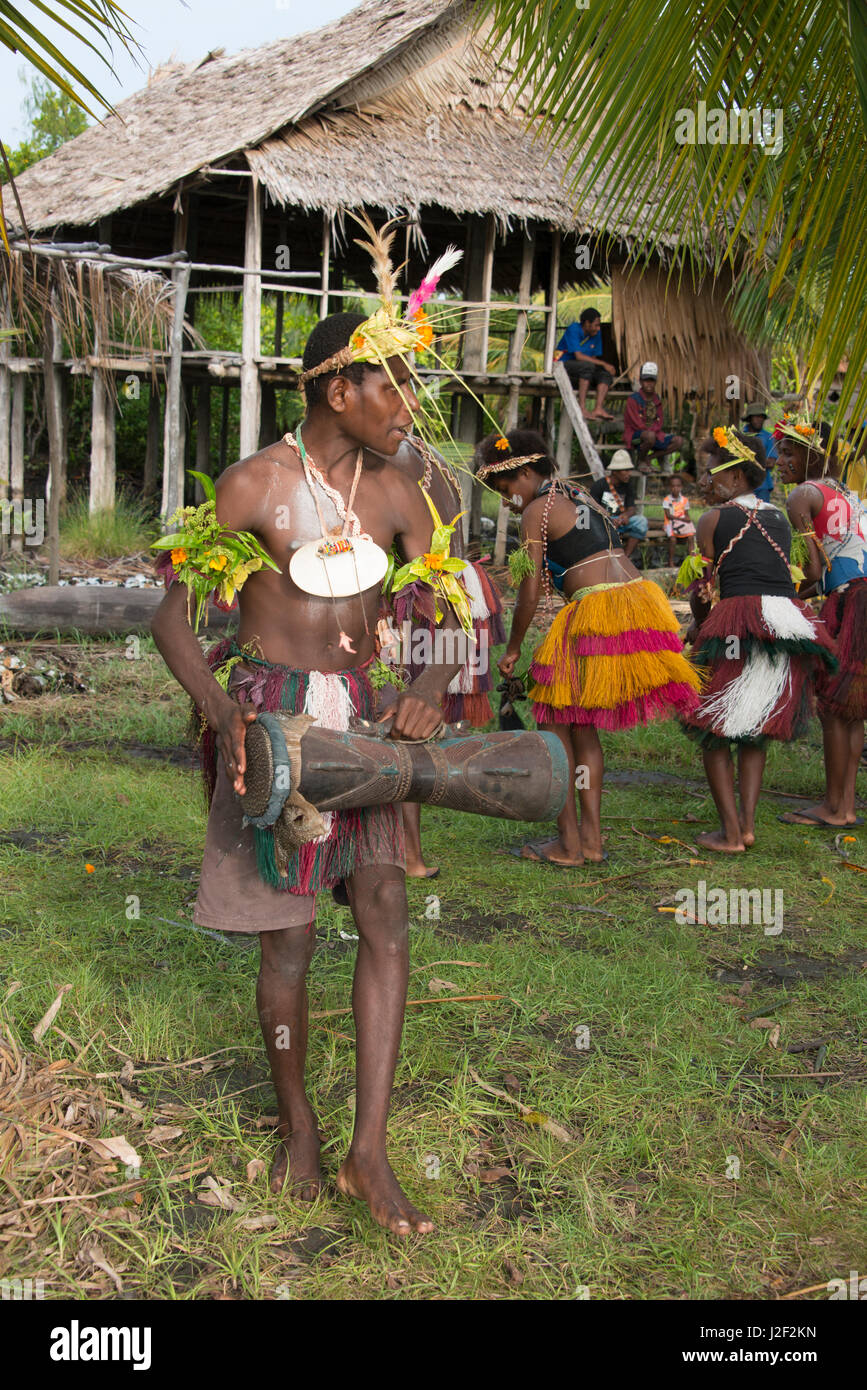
(438, 569)
(209, 558)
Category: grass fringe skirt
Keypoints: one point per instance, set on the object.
(764, 655)
(613, 659)
(844, 614)
(357, 838)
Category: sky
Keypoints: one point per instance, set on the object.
(165, 29)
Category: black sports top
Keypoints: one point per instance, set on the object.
(753, 565)
(591, 534)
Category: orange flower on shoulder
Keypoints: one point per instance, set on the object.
(433, 560)
(179, 556)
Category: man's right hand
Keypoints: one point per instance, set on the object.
(230, 726)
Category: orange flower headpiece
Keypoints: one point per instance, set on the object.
(740, 452)
(799, 428)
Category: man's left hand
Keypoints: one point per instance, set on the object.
(413, 717)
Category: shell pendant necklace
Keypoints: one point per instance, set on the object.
(341, 563)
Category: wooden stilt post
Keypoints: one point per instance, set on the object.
(54, 419)
(251, 323)
(553, 290)
(102, 427)
(173, 433)
(152, 440)
(516, 347)
(326, 263)
(224, 426)
(203, 428)
(16, 478)
(477, 286)
(5, 415)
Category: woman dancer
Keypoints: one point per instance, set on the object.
(762, 645)
(828, 517)
(612, 657)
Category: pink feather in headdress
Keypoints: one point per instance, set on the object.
(426, 289)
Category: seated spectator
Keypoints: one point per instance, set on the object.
(642, 421)
(677, 525)
(755, 416)
(581, 350)
(616, 492)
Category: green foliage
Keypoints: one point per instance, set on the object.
(782, 210)
(53, 118)
(127, 530)
(521, 565)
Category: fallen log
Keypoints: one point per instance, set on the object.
(95, 610)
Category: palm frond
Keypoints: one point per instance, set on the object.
(780, 204)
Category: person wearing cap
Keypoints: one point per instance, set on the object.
(755, 416)
(642, 421)
(616, 493)
(581, 349)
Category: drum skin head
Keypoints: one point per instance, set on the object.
(267, 774)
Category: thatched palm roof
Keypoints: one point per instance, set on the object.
(192, 115)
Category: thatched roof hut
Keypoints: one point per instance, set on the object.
(394, 108)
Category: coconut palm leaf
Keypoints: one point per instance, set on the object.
(615, 84)
(93, 22)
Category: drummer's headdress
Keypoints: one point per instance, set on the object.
(393, 330)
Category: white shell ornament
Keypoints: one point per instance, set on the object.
(338, 566)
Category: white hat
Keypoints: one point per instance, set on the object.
(620, 459)
(649, 369)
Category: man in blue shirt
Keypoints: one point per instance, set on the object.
(755, 416)
(581, 350)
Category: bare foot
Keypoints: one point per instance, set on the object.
(419, 869)
(716, 840)
(373, 1182)
(552, 852)
(748, 835)
(298, 1155)
(602, 415)
(816, 815)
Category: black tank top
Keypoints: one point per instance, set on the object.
(753, 566)
(591, 533)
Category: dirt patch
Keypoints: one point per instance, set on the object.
(33, 839)
(481, 926)
(181, 755)
(789, 967)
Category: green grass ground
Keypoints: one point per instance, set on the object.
(699, 1159)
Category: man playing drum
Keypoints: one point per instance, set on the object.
(326, 504)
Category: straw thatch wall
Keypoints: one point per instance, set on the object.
(686, 330)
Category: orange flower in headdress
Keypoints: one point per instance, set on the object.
(721, 437)
(425, 330)
(502, 442)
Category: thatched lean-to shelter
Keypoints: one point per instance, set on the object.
(246, 162)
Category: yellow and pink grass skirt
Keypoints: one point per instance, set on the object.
(613, 658)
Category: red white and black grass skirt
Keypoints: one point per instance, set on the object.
(844, 614)
(763, 654)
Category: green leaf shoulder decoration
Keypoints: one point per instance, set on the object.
(439, 569)
(521, 565)
(209, 558)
